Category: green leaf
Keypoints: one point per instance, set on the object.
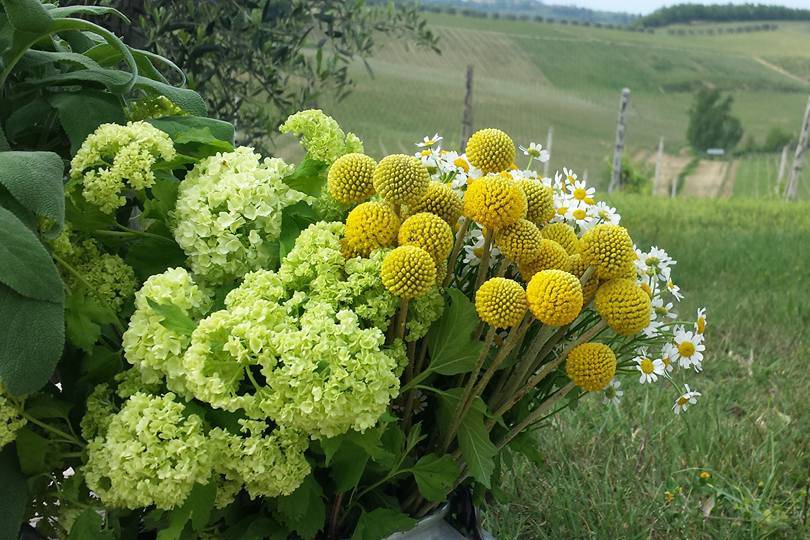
(197, 509)
(149, 256)
(174, 318)
(289, 233)
(348, 466)
(32, 449)
(526, 444)
(13, 496)
(4, 147)
(308, 177)
(303, 511)
(84, 317)
(43, 406)
(196, 135)
(473, 438)
(84, 217)
(381, 523)
(163, 197)
(32, 333)
(435, 476)
(27, 15)
(452, 347)
(80, 113)
(89, 526)
(35, 181)
(70, 11)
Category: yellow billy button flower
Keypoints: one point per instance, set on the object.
(370, 226)
(408, 272)
(591, 366)
(563, 234)
(540, 200)
(491, 150)
(350, 178)
(624, 306)
(501, 302)
(550, 256)
(442, 200)
(609, 249)
(577, 267)
(429, 232)
(401, 179)
(495, 202)
(555, 297)
(520, 241)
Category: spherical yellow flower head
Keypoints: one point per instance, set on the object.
(609, 249)
(401, 179)
(491, 150)
(442, 200)
(495, 202)
(540, 199)
(351, 178)
(555, 297)
(624, 306)
(429, 232)
(520, 241)
(577, 267)
(591, 366)
(441, 271)
(370, 226)
(501, 302)
(563, 234)
(408, 272)
(550, 256)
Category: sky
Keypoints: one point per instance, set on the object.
(646, 6)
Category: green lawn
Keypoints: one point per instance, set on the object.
(757, 175)
(633, 472)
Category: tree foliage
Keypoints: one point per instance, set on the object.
(711, 124)
(684, 13)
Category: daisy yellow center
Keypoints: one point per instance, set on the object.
(652, 261)
(686, 349)
(562, 210)
(590, 200)
(661, 310)
(647, 366)
(646, 288)
(666, 361)
(701, 325)
(478, 252)
(570, 178)
(610, 392)
(579, 213)
(683, 400)
(461, 163)
(705, 475)
(604, 214)
(425, 152)
(580, 194)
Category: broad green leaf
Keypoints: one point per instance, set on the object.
(435, 476)
(25, 265)
(473, 439)
(44, 406)
(32, 450)
(289, 233)
(85, 217)
(4, 147)
(89, 526)
(174, 318)
(80, 113)
(308, 177)
(34, 58)
(109, 56)
(84, 317)
(149, 256)
(196, 509)
(32, 333)
(163, 197)
(303, 511)
(197, 136)
(28, 121)
(526, 444)
(452, 347)
(348, 466)
(27, 15)
(35, 181)
(97, 367)
(381, 523)
(13, 496)
(70, 11)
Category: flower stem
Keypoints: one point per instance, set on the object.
(462, 231)
(536, 414)
(483, 265)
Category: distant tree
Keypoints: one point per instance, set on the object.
(711, 124)
(776, 139)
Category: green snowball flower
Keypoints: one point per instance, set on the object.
(100, 410)
(422, 313)
(10, 418)
(321, 135)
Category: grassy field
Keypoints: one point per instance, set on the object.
(633, 472)
(757, 175)
(531, 76)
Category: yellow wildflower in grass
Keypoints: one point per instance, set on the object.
(350, 178)
(408, 272)
(550, 256)
(429, 232)
(520, 241)
(577, 267)
(401, 179)
(491, 150)
(442, 200)
(609, 249)
(501, 302)
(540, 200)
(563, 234)
(370, 226)
(555, 297)
(624, 306)
(495, 202)
(591, 366)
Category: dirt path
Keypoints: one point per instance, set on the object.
(671, 167)
(711, 179)
(780, 70)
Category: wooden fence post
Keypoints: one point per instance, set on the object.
(467, 119)
(547, 164)
(782, 168)
(798, 159)
(615, 179)
(659, 161)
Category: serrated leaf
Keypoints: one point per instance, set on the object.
(32, 333)
(85, 217)
(289, 233)
(526, 444)
(34, 179)
(84, 317)
(163, 197)
(31, 451)
(452, 348)
(308, 177)
(196, 135)
(473, 439)
(174, 318)
(435, 476)
(348, 465)
(196, 509)
(80, 113)
(303, 511)
(381, 523)
(88, 526)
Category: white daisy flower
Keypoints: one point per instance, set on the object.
(613, 393)
(687, 398)
(674, 289)
(429, 141)
(650, 369)
(605, 213)
(653, 329)
(689, 349)
(474, 249)
(533, 150)
(580, 191)
(661, 309)
(570, 175)
(667, 354)
(700, 322)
